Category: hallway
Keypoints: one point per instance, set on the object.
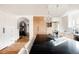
(16, 47)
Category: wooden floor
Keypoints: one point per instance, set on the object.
(15, 48)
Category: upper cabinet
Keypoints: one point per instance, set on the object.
(53, 23)
(64, 23)
(39, 25)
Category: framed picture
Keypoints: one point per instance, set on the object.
(49, 24)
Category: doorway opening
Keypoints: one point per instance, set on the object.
(23, 25)
(22, 29)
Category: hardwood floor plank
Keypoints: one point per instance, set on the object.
(15, 48)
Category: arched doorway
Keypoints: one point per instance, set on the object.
(22, 29)
(23, 26)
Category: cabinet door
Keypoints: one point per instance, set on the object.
(64, 23)
(1, 32)
(39, 25)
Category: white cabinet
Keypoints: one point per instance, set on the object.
(8, 36)
(1, 32)
(8, 31)
(23, 51)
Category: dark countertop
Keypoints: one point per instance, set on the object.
(68, 47)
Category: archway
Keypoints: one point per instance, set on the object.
(23, 26)
(23, 29)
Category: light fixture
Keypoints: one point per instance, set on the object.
(49, 7)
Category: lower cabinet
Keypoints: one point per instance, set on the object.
(23, 51)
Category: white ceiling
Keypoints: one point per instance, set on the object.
(59, 10)
(38, 9)
(21, 9)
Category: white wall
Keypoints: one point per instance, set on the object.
(64, 23)
(73, 19)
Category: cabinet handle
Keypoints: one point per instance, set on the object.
(3, 30)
